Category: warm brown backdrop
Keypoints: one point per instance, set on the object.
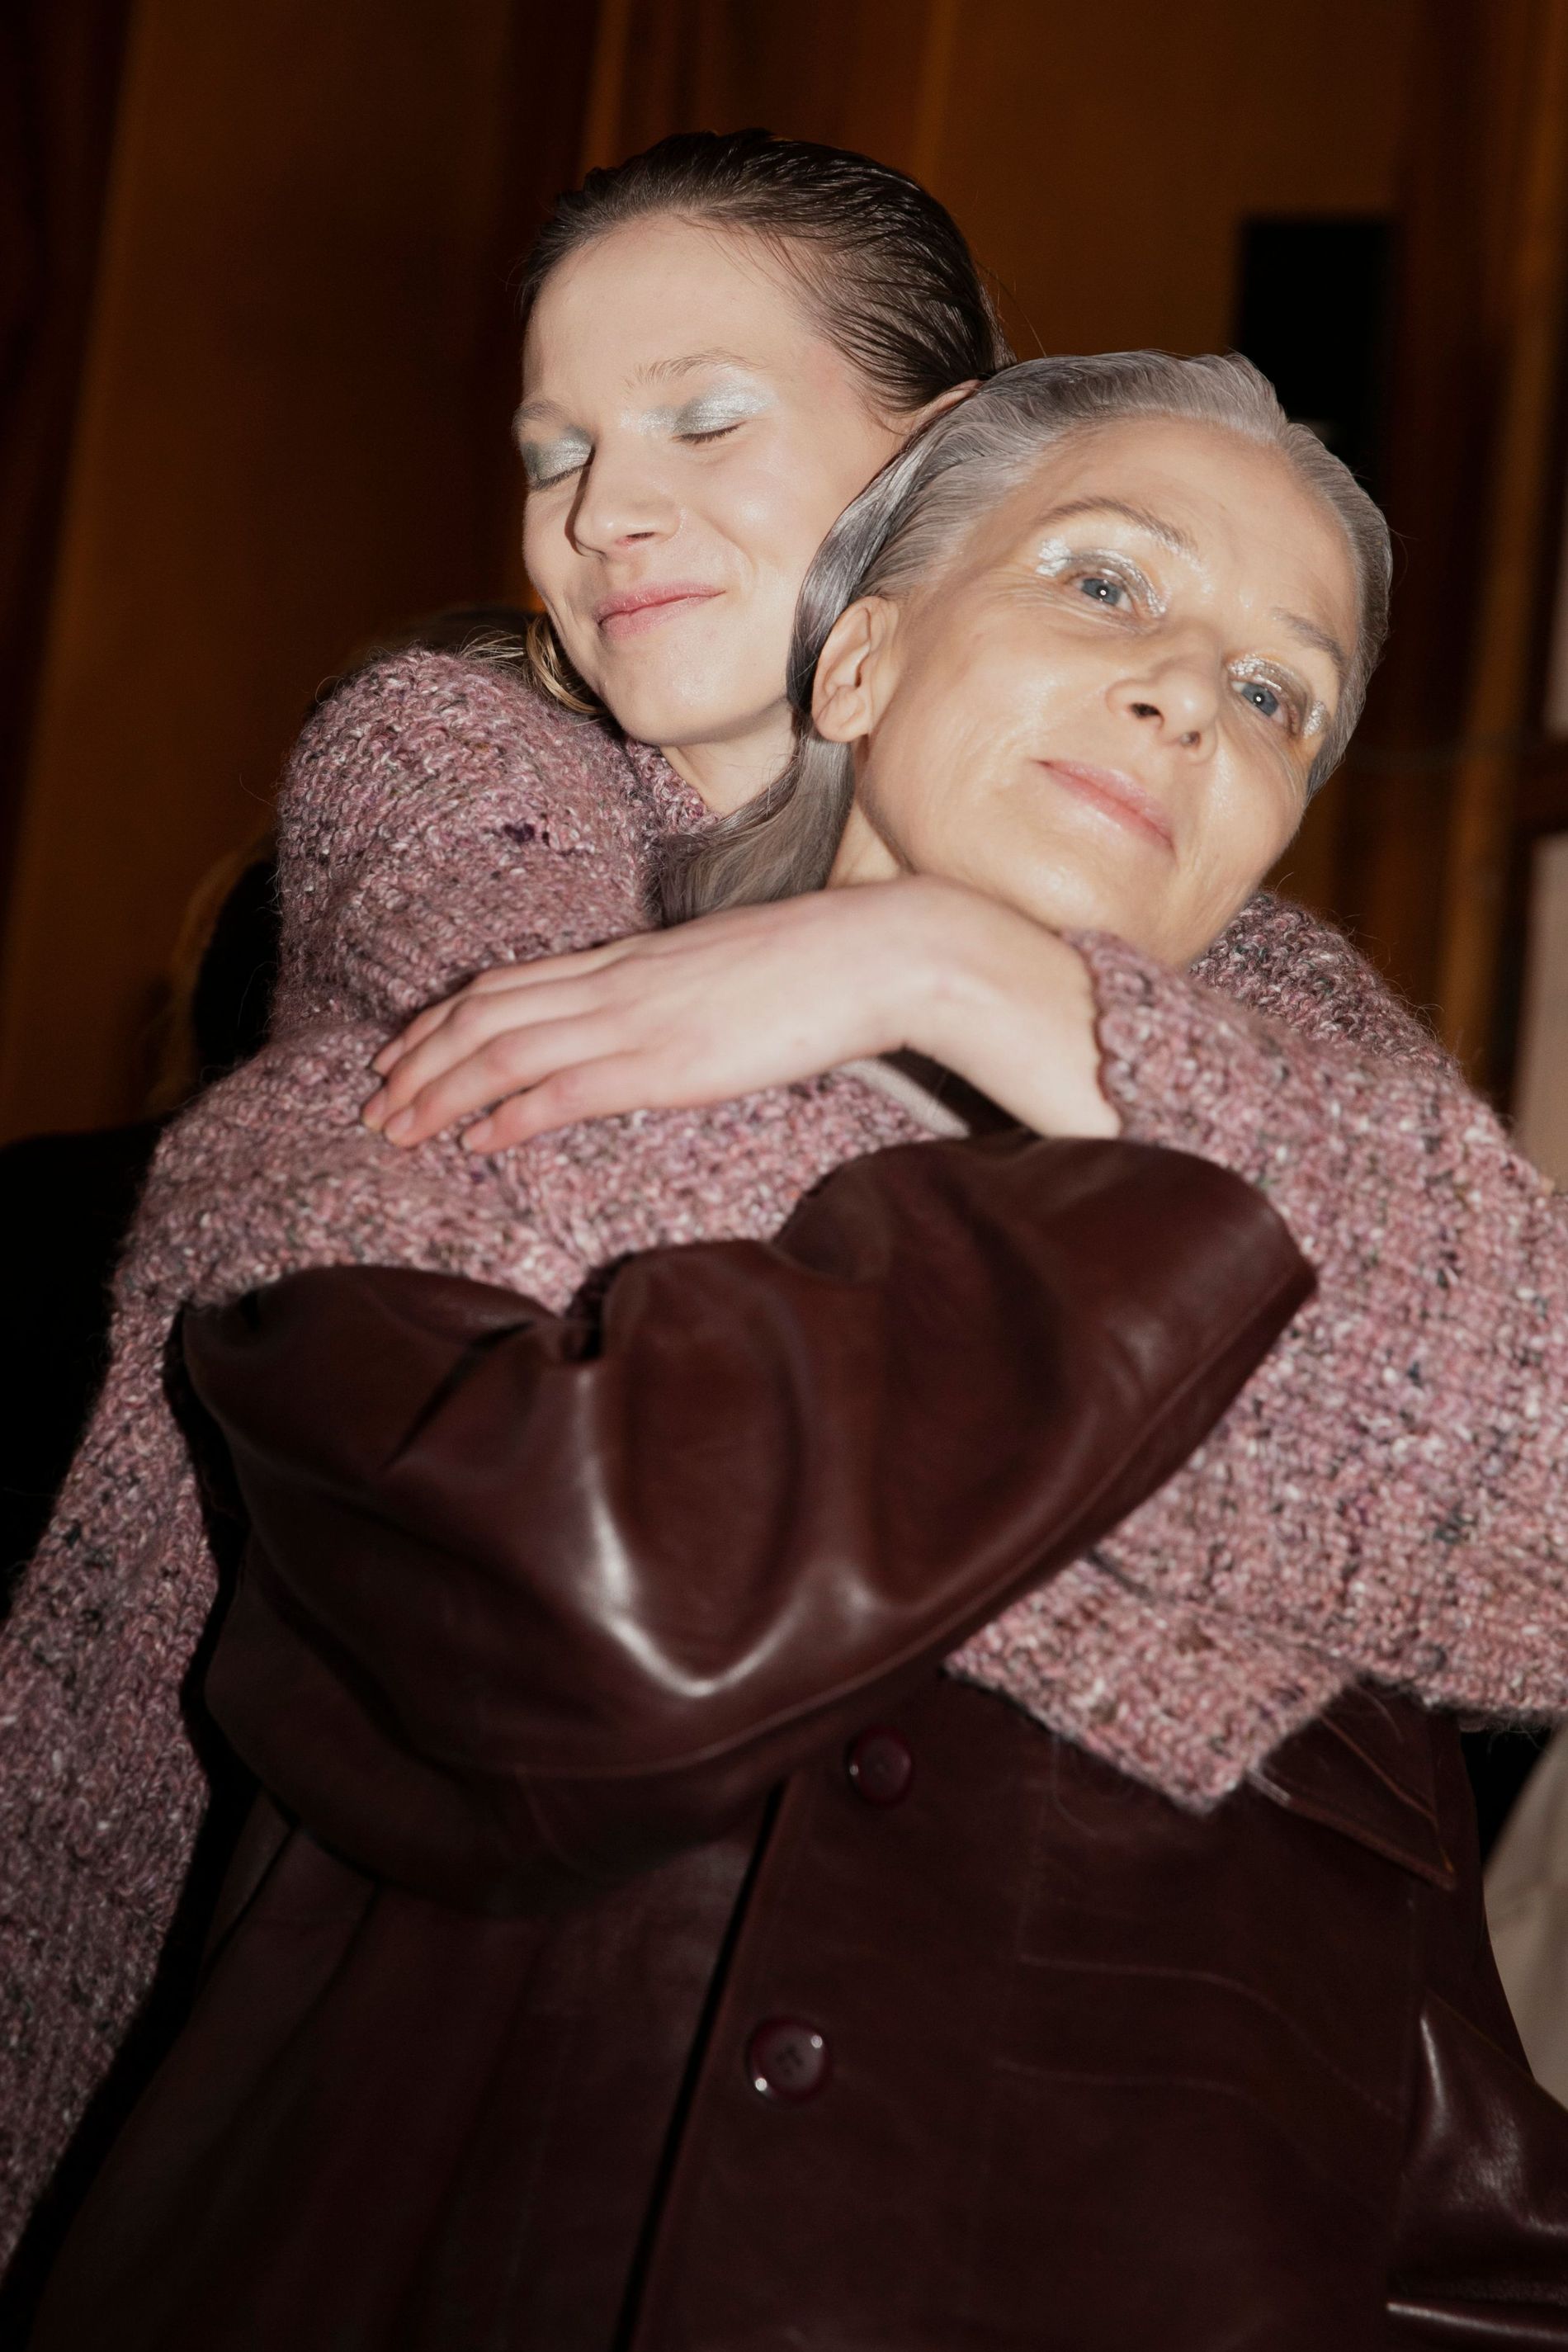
(262, 418)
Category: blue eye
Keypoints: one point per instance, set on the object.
(1262, 697)
(1101, 589)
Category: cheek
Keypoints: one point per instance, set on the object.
(535, 552)
(774, 512)
(547, 559)
(1268, 815)
(928, 784)
(1246, 827)
(778, 497)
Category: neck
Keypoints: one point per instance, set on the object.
(728, 774)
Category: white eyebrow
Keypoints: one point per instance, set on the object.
(1311, 633)
(1167, 533)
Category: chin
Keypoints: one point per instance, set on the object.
(659, 707)
(1065, 900)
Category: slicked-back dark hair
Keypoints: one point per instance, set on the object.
(881, 267)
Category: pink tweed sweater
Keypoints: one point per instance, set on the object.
(1388, 1498)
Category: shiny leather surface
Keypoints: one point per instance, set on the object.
(393, 2124)
(1101, 2075)
(532, 1602)
(1046, 2063)
(1108, 2075)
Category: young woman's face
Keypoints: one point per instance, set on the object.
(688, 437)
(1106, 710)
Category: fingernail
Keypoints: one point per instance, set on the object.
(398, 1127)
(370, 1112)
(476, 1138)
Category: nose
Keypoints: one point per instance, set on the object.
(1176, 695)
(621, 503)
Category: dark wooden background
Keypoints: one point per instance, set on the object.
(258, 356)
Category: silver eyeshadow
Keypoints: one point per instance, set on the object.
(714, 411)
(711, 412)
(1057, 558)
(544, 462)
(1316, 716)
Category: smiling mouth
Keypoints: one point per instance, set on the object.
(1116, 796)
(641, 609)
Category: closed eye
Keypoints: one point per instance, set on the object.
(544, 464)
(713, 415)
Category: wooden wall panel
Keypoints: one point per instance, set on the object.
(846, 71)
(1445, 770)
(1100, 160)
(292, 437)
(292, 430)
(59, 82)
(1518, 551)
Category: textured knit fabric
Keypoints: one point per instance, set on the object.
(1386, 1496)
(1390, 1493)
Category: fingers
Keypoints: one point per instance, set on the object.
(500, 979)
(471, 1025)
(599, 1090)
(510, 1062)
(404, 1042)
(691, 1015)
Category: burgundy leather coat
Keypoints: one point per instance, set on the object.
(641, 1946)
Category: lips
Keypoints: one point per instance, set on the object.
(636, 609)
(1115, 795)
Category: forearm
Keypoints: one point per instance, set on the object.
(1010, 1007)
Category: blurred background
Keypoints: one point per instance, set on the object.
(258, 358)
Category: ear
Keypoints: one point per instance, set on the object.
(943, 401)
(854, 671)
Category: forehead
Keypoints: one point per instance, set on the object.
(1251, 524)
(654, 292)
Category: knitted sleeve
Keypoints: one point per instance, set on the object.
(427, 792)
(438, 816)
(1391, 1489)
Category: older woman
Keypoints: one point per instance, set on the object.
(809, 315)
(962, 2038)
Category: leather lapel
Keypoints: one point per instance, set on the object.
(1365, 1768)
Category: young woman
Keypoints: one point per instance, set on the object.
(532, 2018)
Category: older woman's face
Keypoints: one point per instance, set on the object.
(688, 437)
(1106, 710)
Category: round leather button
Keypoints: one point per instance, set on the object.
(880, 1765)
(787, 2060)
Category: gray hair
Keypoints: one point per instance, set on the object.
(918, 512)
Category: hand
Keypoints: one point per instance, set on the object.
(752, 998)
